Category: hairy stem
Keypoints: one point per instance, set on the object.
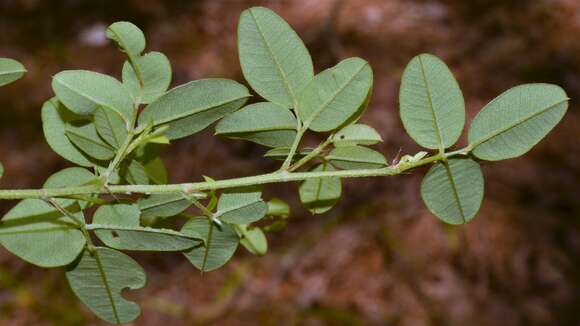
(196, 188)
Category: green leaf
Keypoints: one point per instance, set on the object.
(155, 169)
(34, 231)
(54, 120)
(111, 127)
(320, 195)
(84, 91)
(163, 205)
(453, 191)
(278, 207)
(282, 152)
(220, 244)
(70, 177)
(10, 71)
(155, 71)
(241, 205)
(356, 157)
(356, 134)
(515, 121)
(253, 239)
(118, 226)
(190, 108)
(335, 95)
(128, 36)
(84, 135)
(263, 123)
(431, 103)
(274, 60)
(134, 172)
(1, 170)
(98, 279)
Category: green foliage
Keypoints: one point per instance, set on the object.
(515, 121)
(265, 123)
(453, 190)
(220, 243)
(114, 132)
(320, 195)
(190, 108)
(274, 60)
(10, 71)
(98, 278)
(335, 95)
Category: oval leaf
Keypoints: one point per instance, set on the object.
(263, 123)
(155, 73)
(356, 157)
(515, 121)
(241, 205)
(320, 195)
(98, 278)
(274, 60)
(453, 191)
(190, 108)
(10, 71)
(431, 103)
(84, 135)
(118, 226)
(111, 126)
(84, 91)
(357, 134)
(163, 205)
(335, 95)
(253, 239)
(34, 231)
(220, 244)
(54, 120)
(128, 36)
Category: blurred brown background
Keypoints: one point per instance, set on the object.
(379, 258)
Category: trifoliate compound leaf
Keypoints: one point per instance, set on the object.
(453, 190)
(10, 71)
(335, 95)
(190, 108)
(356, 157)
(253, 239)
(274, 60)
(432, 107)
(356, 134)
(163, 205)
(515, 121)
(118, 226)
(155, 71)
(320, 195)
(83, 135)
(111, 127)
(241, 205)
(220, 244)
(84, 91)
(128, 37)
(263, 123)
(36, 232)
(98, 279)
(54, 120)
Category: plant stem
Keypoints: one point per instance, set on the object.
(197, 187)
(299, 133)
(311, 155)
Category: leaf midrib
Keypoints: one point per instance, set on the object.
(333, 97)
(515, 124)
(454, 190)
(432, 107)
(274, 59)
(106, 283)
